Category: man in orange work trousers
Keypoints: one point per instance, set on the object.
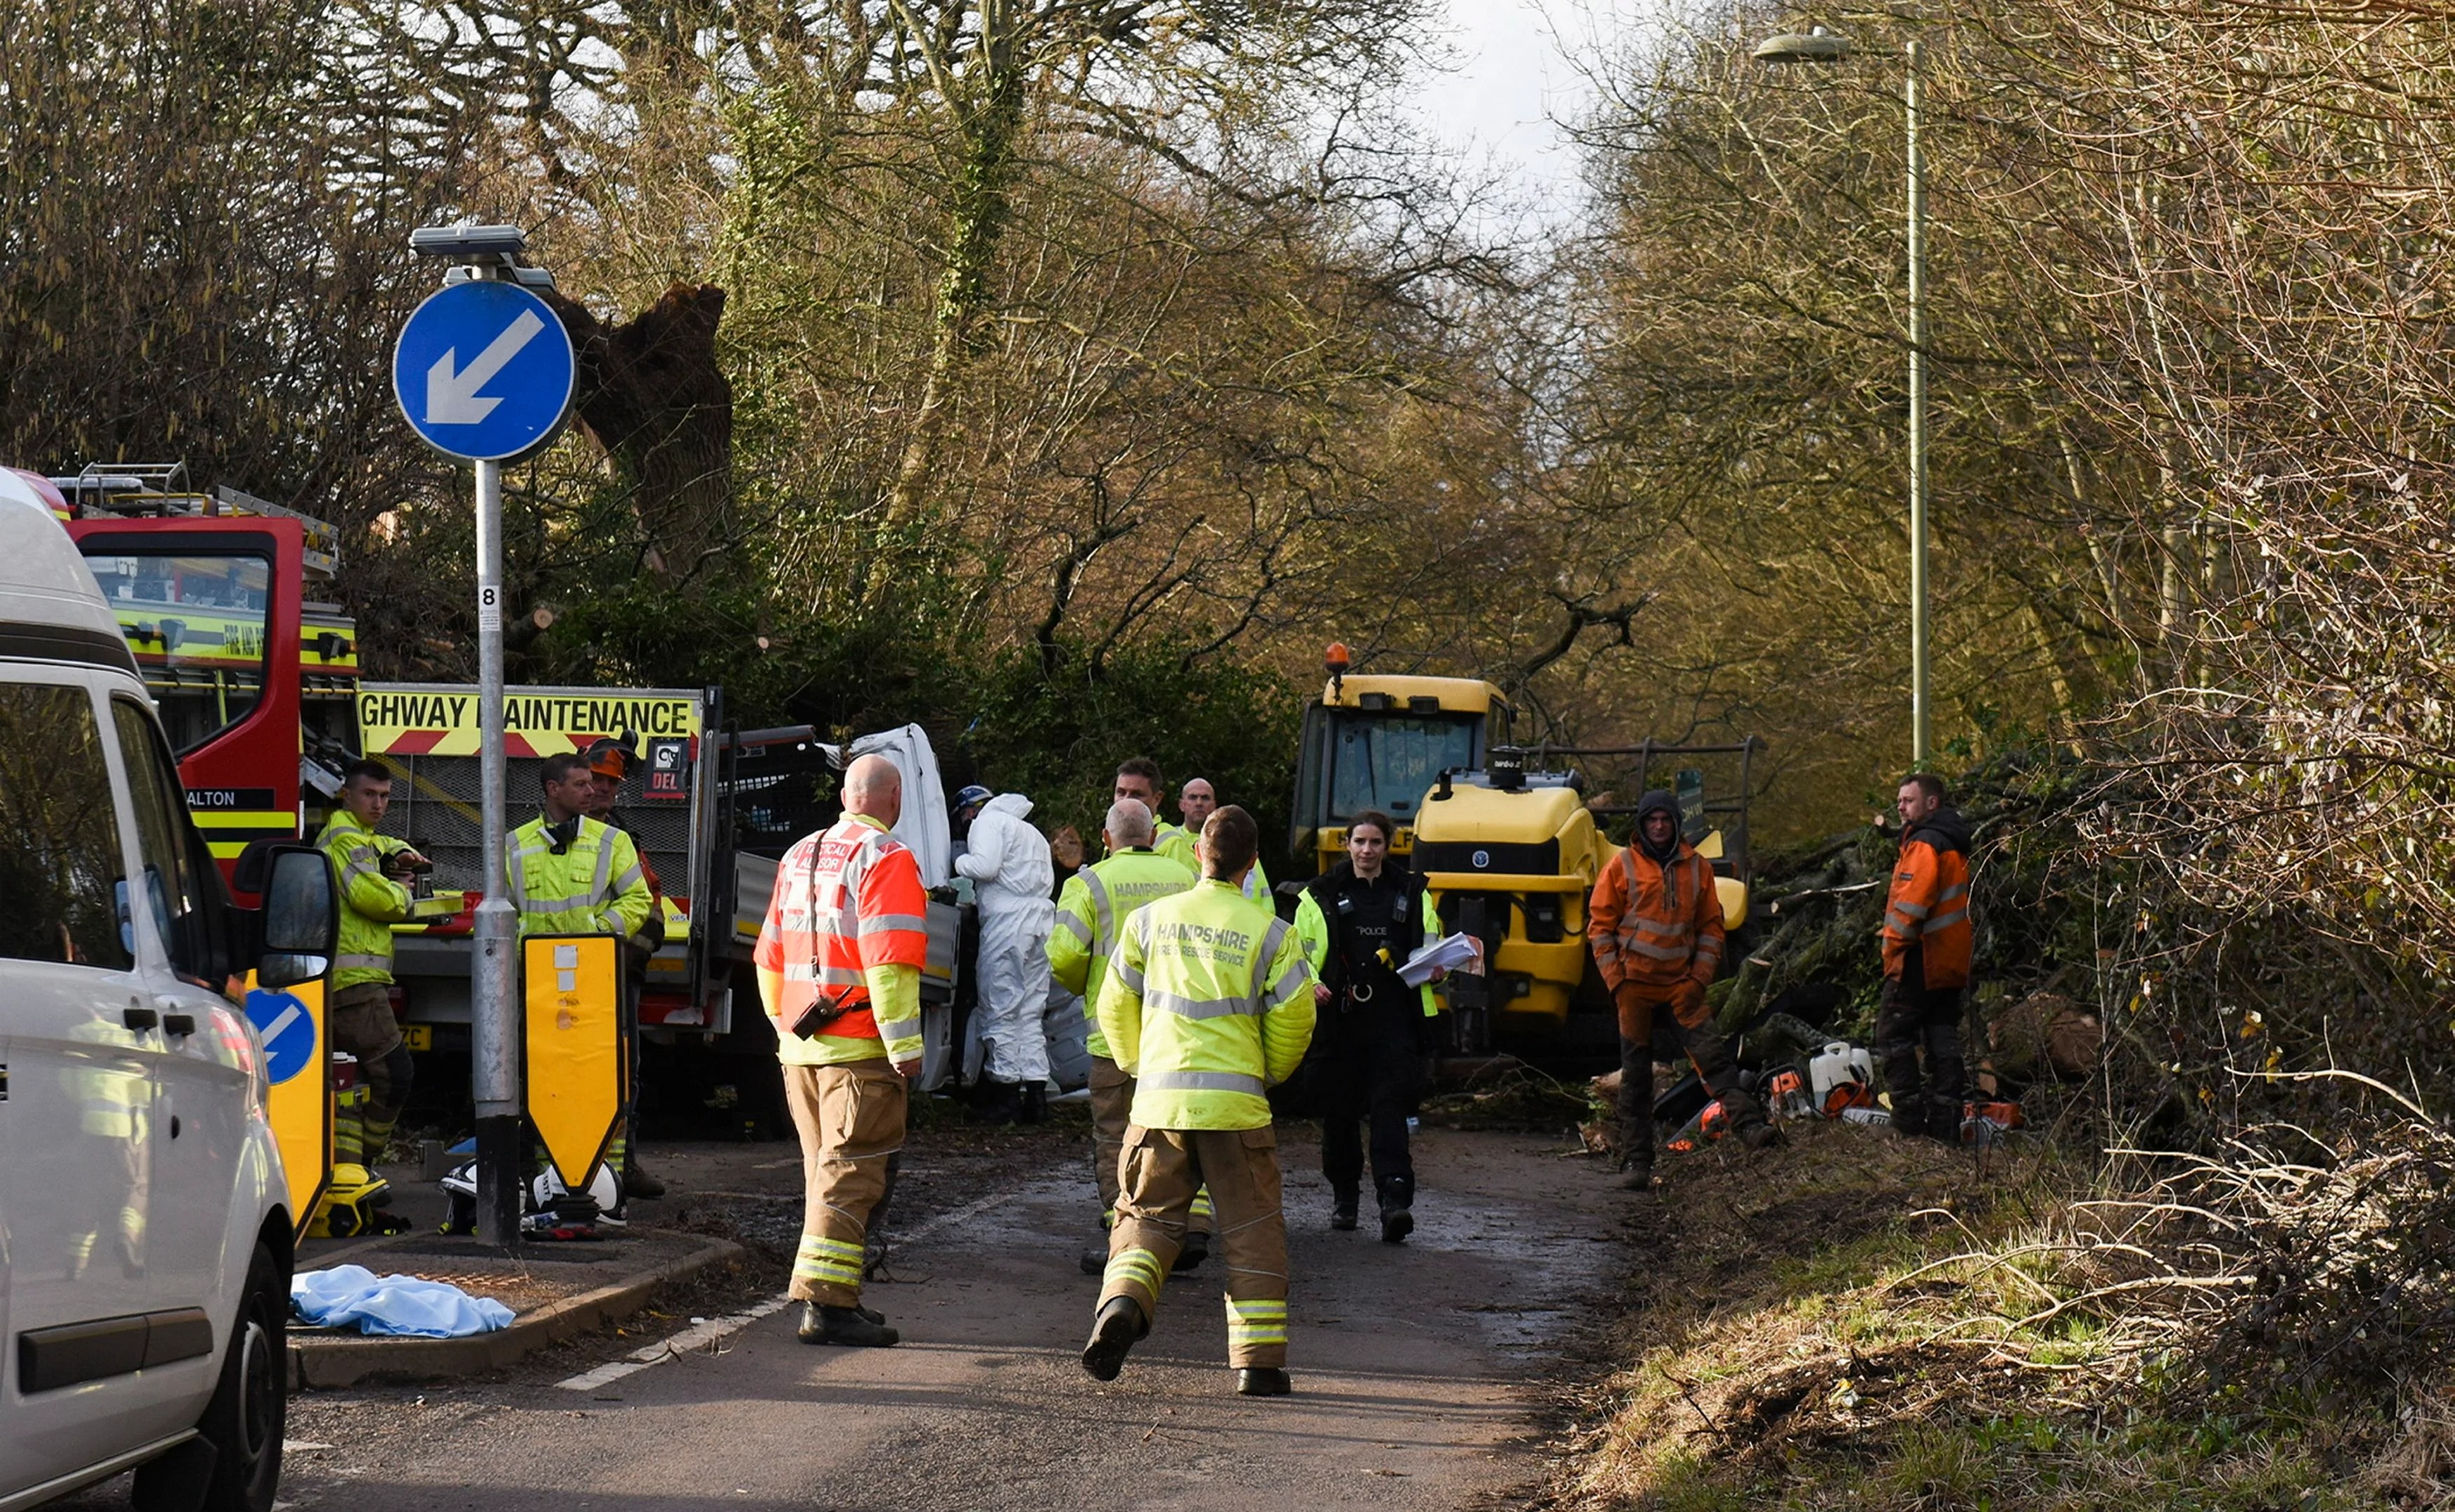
(839, 963)
(1927, 947)
(1656, 924)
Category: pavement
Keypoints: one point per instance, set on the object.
(1419, 1368)
(556, 1291)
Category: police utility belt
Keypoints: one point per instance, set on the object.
(1364, 992)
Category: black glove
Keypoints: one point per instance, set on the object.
(943, 892)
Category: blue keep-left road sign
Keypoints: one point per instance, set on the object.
(288, 1031)
(483, 370)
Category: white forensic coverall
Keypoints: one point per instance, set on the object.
(1009, 866)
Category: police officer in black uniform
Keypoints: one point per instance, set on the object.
(1359, 922)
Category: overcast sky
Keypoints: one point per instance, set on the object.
(1512, 79)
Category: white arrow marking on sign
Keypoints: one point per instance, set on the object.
(273, 1030)
(452, 398)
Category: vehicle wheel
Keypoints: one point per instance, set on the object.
(249, 1407)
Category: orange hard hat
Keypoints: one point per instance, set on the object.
(610, 757)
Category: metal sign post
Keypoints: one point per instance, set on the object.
(495, 1071)
(484, 371)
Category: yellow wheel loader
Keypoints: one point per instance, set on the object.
(1504, 837)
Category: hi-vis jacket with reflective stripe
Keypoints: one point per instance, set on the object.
(1176, 842)
(1656, 923)
(371, 902)
(1928, 907)
(1208, 1005)
(1094, 906)
(595, 887)
(850, 919)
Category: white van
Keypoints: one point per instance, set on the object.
(145, 1236)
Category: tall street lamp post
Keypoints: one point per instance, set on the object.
(1822, 47)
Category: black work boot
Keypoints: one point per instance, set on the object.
(1636, 1173)
(854, 1327)
(995, 1101)
(1396, 1196)
(1033, 1105)
(1943, 1121)
(637, 1182)
(1190, 1253)
(1263, 1380)
(1341, 1208)
(1118, 1327)
(1760, 1135)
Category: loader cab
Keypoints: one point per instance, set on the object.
(1383, 742)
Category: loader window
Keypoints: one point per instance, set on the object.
(197, 621)
(1389, 762)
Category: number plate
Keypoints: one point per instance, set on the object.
(417, 1036)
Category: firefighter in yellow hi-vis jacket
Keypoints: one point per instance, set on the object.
(369, 869)
(1091, 911)
(572, 874)
(1208, 1005)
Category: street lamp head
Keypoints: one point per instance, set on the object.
(466, 241)
(479, 251)
(1818, 46)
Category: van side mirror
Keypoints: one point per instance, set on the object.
(300, 921)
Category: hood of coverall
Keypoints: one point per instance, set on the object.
(1008, 856)
(1656, 800)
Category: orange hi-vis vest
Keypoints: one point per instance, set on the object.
(1656, 924)
(847, 898)
(1928, 910)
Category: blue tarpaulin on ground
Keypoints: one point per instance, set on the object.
(354, 1296)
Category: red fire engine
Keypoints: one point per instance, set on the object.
(223, 599)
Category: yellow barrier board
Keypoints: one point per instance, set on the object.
(298, 1064)
(572, 987)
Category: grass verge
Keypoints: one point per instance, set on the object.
(1853, 1320)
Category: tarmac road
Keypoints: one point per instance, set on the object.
(1413, 1367)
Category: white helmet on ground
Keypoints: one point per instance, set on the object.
(547, 1190)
